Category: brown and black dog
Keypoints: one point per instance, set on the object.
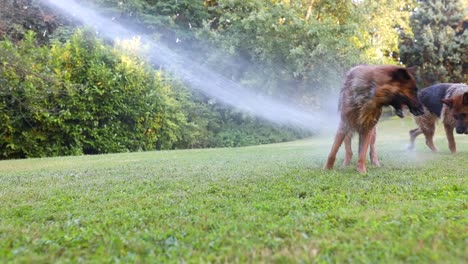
(445, 101)
(365, 91)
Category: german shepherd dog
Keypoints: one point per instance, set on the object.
(365, 91)
(445, 101)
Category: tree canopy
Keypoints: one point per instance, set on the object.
(438, 41)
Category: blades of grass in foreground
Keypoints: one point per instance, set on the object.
(270, 203)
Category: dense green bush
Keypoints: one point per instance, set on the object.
(82, 97)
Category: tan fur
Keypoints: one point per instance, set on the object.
(427, 122)
(365, 91)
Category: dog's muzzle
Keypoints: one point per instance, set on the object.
(461, 130)
(399, 113)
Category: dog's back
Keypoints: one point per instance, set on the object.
(431, 97)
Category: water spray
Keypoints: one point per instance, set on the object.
(200, 77)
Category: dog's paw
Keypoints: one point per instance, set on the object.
(376, 163)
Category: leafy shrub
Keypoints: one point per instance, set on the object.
(82, 97)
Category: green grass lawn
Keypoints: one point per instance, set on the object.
(270, 203)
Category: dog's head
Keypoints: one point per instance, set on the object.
(405, 91)
(458, 104)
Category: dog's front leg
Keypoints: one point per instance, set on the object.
(450, 138)
(364, 142)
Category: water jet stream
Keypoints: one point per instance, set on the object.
(197, 76)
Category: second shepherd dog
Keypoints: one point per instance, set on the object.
(445, 101)
(365, 91)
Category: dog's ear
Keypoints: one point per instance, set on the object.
(448, 102)
(401, 74)
(413, 70)
(465, 98)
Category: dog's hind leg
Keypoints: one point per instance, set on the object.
(426, 124)
(364, 142)
(429, 134)
(373, 152)
(339, 137)
(413, 134)
(349, 151)
(450, 138)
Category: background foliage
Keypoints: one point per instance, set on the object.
(81, 97)
(439, 41)
(63, 91)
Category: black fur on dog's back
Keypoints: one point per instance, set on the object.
(431, 97)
